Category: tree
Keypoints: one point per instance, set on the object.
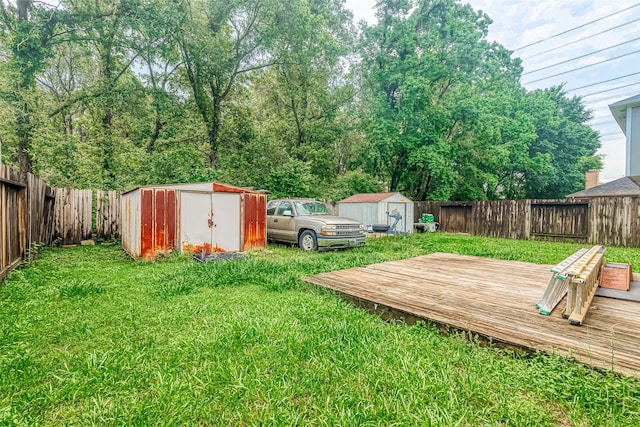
(423, 63)
(220, 43)
(26, 33)
(566, 140)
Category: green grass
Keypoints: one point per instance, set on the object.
(89, 337)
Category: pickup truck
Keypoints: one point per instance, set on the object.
(311, 225)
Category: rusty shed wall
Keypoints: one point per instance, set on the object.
(158, 221)
(148, 221)
(254, 211)
(198, 217)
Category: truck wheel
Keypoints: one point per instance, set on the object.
(307, 241)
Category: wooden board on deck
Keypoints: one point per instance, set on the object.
(496, 299)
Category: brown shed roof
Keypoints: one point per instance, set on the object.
(626, 186)
(368, 197)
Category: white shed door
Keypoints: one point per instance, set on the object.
(226, 230)
(209, 222)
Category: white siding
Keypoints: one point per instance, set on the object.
(363, 212)
(131, 222)
(633, 142)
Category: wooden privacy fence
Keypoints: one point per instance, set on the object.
(610, 221)
(74, 211)
(107, 214)
(26, 216)
(12, 219)
(33, 214)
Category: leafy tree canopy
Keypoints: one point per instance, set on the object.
(281, 95)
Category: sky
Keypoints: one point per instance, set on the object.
(518, 23)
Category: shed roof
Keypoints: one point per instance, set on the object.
(368, 197)
(215, 187)
(619, 110)
(625, 186)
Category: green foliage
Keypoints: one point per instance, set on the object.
(88, 336)
(292, 179)
(178, 163)
(568, 143)
(281, 95)
(355, 182)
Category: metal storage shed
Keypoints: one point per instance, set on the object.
(372, 208)
(192, 218)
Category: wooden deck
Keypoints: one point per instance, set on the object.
(495, 299)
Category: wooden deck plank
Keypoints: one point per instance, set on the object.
(496, 298)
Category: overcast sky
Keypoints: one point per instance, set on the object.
(517, 23)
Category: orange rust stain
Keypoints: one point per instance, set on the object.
(222, 188)
(159, 220)
(146, 218)
(202, 248)
(171, 218)
(255, 220)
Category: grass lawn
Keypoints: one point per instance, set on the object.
(88, 336)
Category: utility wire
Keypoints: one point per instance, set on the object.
(602, 103)
(578, 27)
(583, 67)
(609, 90)
(599, 83)
(580, 57)
(582, 39)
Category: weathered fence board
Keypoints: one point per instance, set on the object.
(73, 215)
(609, 221)
(13, 227)
(456, 218)
(615, 221)
(107, 214)
(39, 205)
(501, 218)
(560, 219)
(33, 214)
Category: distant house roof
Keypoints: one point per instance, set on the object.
(368, 197)
(627, 186)
(619, 110)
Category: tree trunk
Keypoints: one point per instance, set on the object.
(397, 171)
(214, 129)
(24, 137)
(151, 147)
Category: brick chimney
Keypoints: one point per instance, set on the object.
(592, 178)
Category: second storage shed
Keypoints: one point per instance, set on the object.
(192, 218)
(372, 208)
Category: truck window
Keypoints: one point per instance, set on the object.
(284, 206)
(271, 207)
